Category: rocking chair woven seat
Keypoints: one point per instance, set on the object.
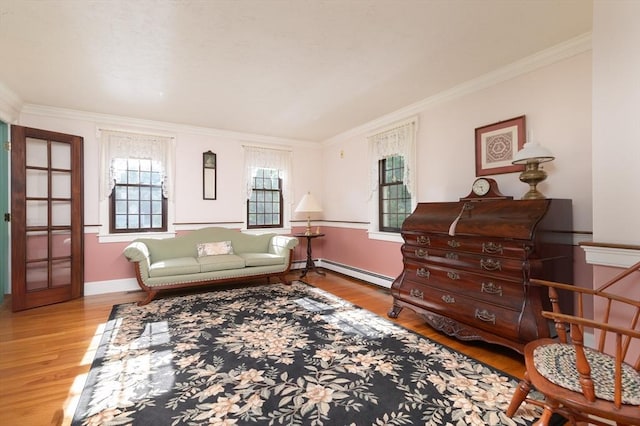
(599, 385)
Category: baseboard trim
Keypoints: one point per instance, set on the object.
(112, 286)
(93, 288)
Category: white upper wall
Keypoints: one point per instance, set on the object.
(191, 142)
(616, 125)
(556, 100)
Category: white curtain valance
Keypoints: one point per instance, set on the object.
(266, 158)
(396, 141)
(118, 144)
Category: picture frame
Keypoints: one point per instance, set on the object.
(209, 175)
(497, 145)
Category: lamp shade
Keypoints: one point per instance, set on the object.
(532, 152)
(308, 204)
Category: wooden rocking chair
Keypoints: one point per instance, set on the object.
(599, 385)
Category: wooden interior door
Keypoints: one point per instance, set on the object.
(47, 250)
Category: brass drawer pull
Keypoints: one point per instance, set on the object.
(486, 316)
(448, 299)
(452, 256)
(418, 294)
(490, 265)
(453, 275)
(491, 288)
(421, 253)
(425, 241)
(423, 273)
(492, 248)
(453, 243)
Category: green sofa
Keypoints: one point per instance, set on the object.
(208, 256)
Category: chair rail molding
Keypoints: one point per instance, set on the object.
(608, 254)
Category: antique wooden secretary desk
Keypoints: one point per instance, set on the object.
(468, 264)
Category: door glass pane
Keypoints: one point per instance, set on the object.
(61, 243)
(61, 213)
(37, 276)
(37, 246)
(37, 185)
(37, 153)
(61, 184)
(60, 155)
(60, 272)
(36, 213)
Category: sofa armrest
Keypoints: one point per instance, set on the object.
(282, 245)
(138, 252)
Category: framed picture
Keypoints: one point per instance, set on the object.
(209, 167)
(497, 144)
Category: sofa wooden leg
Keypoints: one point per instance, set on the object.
(284, 280)
(150, 295)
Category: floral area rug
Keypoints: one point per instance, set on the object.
(276, 354)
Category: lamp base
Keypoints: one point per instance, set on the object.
(308, 230)
(533, 175)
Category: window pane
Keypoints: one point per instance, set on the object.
(145, 207)
(145, 178)
(121, 207)
(145, 193)
(133, 177)
(121, 221)
(145, 221)
(121, 192)
(133, 192)
(134, 221)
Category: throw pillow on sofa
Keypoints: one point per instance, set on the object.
(215, 249)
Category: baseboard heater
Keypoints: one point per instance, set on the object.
(350, 271)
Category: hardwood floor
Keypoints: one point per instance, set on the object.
(46, 352)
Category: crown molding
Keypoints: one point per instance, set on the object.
(121, 122)
(10, 105)
(559, 52)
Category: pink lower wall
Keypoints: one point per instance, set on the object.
(104, 261)
(353, 247)
(345, 246)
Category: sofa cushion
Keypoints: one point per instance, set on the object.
(220, 263)
(248, 243)
(262, 259)
(169, 248)
(177, 266)
(214, 249)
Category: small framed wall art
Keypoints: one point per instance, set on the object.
(497, 144)
(209, 166)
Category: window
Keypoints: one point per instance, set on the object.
(137, 203)
(264, 207)
(392, 154)
(136, 182)
(267, 185)
(394, 200)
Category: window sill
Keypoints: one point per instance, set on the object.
(386, 236)
(258, 231)
(128, 237)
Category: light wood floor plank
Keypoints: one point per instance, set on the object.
(46, 352)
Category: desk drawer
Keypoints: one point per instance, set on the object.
(471, 311)
(495, 247)
(503, 292)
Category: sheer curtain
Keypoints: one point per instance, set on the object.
(118, 144)
(267, 158)
(398, 139)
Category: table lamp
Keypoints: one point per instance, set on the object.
(531, 155)
(308, 205)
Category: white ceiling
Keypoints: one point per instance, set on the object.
(298, 69)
